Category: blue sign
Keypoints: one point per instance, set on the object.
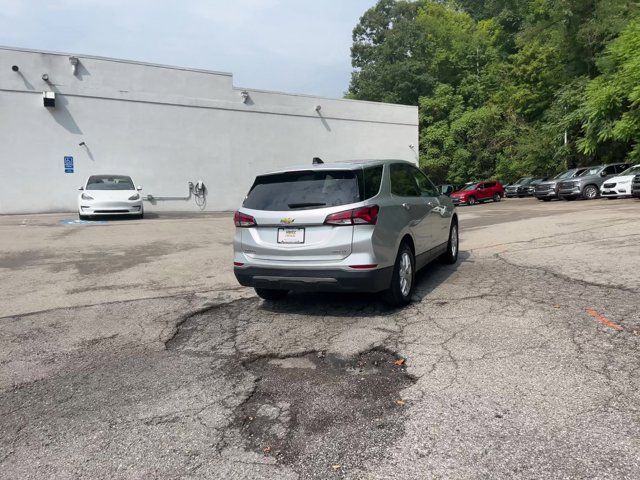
(68, 164)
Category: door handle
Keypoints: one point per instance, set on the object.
(406, 206)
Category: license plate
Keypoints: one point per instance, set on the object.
(291, 235)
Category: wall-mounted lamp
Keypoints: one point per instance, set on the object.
(15, 68)
(412, 146)
(318, 108)
(45, 77)
(74, 64)
(245, 96)
(49, 99)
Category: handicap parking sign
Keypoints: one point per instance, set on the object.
(68, 164)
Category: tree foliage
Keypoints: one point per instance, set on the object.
(502, 83)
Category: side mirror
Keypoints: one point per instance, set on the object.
(603, 174)
(139, 187)
(80, 187)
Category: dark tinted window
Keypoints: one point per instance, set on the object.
(109, 182)
(304, 190)
(621, 168)
(403, 182)
(609, 170)
(372, 180)
(490, 184)
(427, 189)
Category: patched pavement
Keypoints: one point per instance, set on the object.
(519, 362)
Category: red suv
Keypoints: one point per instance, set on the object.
(479, 192)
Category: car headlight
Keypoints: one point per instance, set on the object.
(624, 182)
(135, 197)
(85, 196)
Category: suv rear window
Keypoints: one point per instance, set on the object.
(313, 189)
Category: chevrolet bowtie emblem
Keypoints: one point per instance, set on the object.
(287, 221)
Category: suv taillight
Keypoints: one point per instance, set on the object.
(243, 220)
(357, 216)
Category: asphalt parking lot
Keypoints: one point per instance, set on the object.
(127, 350)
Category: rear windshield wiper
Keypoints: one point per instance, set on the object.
(305, 205)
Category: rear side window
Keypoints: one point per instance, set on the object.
(304, 190)
(490, 184)
(372, 181)
(403, 183)
(426, 188)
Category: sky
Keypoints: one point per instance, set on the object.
(295, 46)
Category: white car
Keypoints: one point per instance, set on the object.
(620, 185)
(109, 195)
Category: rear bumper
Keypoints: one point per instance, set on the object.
(312, 280)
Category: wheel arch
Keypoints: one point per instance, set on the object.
(407, 238)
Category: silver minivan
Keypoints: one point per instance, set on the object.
(364, 226)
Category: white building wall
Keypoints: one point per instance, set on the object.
(166, 126)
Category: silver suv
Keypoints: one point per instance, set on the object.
(587, 184)
(356, 226)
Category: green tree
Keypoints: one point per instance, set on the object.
(612, 103)
(506, 87)
(386, 55)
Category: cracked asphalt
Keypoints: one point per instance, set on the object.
(127, 350)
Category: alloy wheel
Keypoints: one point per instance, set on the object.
(405, 274)
(454, 241)
(590, 192)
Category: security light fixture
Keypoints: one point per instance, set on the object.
(412, 146)
(74, 64)
(49, 99)
(15, 68)
(45, 77)
(318, 108)
(245, 96)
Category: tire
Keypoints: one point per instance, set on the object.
(453, 245)
(497, 197)
(271, 294)
(590, 192)
(472, 201)
(403, 278)
(545, 199)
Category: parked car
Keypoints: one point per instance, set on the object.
(531, 188)
(519, 188)
(620, 185)
(355, 226)
(109, 195)
(635, 186)
(548, 190)
(479, 192)
(587, 185)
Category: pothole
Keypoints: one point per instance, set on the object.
(321, 414)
